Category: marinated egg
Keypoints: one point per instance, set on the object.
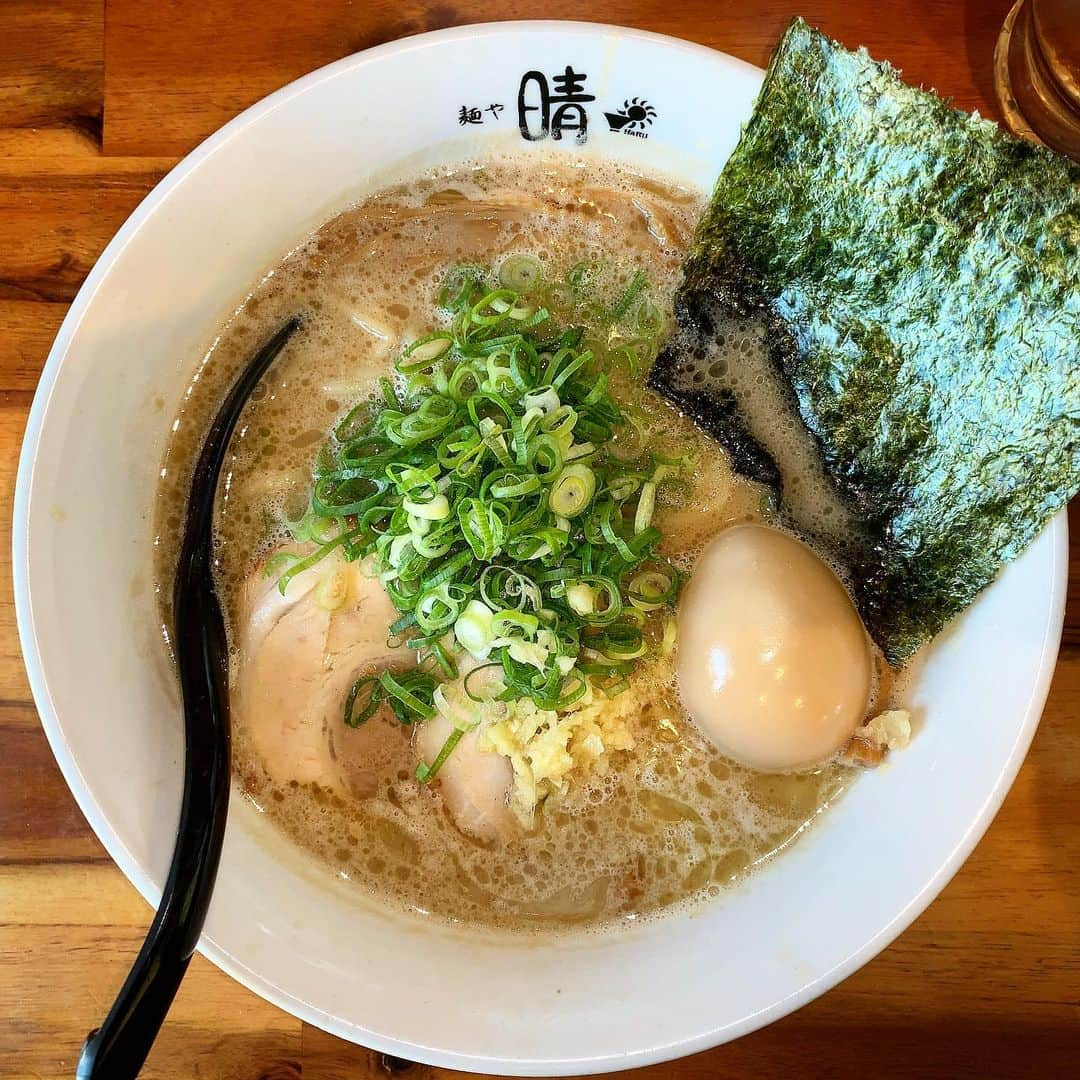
(774, 663)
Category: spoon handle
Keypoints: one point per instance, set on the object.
(117, 1050)
(119, 1047)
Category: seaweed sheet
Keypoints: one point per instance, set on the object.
(918, 276)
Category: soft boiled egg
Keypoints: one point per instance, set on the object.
(774, 663)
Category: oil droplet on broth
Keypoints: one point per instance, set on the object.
(671, 821)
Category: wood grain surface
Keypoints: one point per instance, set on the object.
(97, 101)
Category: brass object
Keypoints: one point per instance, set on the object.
(1037, 73)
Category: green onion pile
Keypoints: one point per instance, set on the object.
(487, 492)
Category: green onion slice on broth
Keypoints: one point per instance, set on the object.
(484, 490)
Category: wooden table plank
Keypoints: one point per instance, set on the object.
(985, 984)
(804, 1046)
(58, 214)
(174, 72)
(67, 939)
(1071, 632)
(51, 63)
(14, 687)
(39, 821)
(29, 329)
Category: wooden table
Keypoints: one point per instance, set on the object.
(97, 102)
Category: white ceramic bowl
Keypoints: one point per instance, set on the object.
(289, 930)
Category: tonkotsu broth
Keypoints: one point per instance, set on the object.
(672, 820)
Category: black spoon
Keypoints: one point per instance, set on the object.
(117, 1049)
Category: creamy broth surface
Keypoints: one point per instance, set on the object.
(669, 822)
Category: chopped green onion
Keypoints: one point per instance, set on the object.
(614, 688)
(576, 451)
(410, 695)
(572, 491)
(371, 703)
(473, 629)
(652, 589)
(581, 598)
(426, 773)
(494, 505)
(438, 608)
(444, 660)
(481, 527)
(622, 641)
(545, 399)
(276, 562)
(582, 275)
(505, 623)
(302, 564)
(422, 353)
(456, 706)
(667, 645)
(435, 509)
(646, 505)
(633, 290)
(522, 273)
(607, 600)
(458, 286)
(489, 674)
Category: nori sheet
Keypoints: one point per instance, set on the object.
(919, 275)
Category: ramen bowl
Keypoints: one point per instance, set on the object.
(287, 928)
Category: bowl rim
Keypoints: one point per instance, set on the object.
(116, 847)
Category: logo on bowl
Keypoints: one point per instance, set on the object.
(633, 118)
(474, 114)
(548, 108)
(537, 118)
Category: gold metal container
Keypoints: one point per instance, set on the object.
(1037, 72)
